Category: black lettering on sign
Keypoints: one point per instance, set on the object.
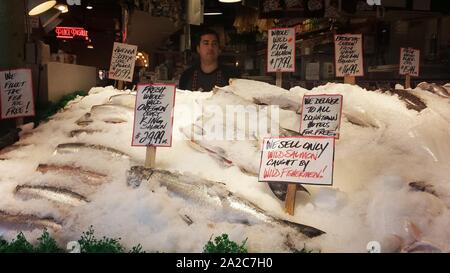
(16, 93)
(409, 62)
(122, 62)
(348, 55)
(153, 112)
(281, 50)
(321, 115)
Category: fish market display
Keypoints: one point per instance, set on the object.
(27, 222)
(390, 177)
(213, 195)
(87, 176)
(61, 195)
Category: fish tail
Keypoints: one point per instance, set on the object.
(309, 231)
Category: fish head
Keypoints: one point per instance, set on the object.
(137, 174)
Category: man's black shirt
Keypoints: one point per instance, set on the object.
(196, 80)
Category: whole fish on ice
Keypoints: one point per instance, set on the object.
(55, 194)
(75, 147)
(127, 100)
(19, 221)
(109, 113)
(211, 195)
(87, 176)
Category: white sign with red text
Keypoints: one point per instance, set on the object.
(305, 160)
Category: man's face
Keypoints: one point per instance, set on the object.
(208, 49)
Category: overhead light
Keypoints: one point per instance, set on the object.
(139, 54)
(213, 13)
(89, 6)
(53, 25)
(90, 46)
(63, 8)
(36, 7)
(49, 17)
(229, 1)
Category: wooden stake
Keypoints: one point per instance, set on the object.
(150, 157)
(408, 81)
(120, 85)
(19, 122)
(289, 205)
(290, 198)
(279, 79)
(350, 80)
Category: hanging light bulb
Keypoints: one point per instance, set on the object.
(229, 1)
(63, 8)
(36, 7)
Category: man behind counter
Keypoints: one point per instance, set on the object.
(204, 76)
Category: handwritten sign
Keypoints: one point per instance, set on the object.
(281, 50)
(122, 62)
(409, 61)
(321, 115)
(153, 116)
(348, 55)
(16, 90)
(305, 160)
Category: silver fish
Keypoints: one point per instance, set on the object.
(87, 119)
(13, 148)
(411, 101)
(434, 88)
(127, 100)
(212, 195)
(27, 222)
(55, 194)
(421, 247)
(279, 189)
(86, 176)
(110, 108)
(422, 186)
(78, 132)
(75, 147)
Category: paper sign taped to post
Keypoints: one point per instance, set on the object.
(304, 160)
(122, 62)
(16, 88)
(348, 55)
(281, 50)
(409, 61)
(153, 116)
(321, 115)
